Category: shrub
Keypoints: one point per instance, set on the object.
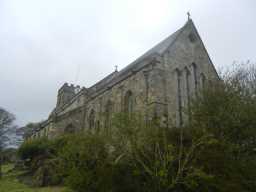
(33, 148)
(42, 160)
(48, 173)
(9, 155)
(85, 162)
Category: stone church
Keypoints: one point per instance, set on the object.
(159, 84)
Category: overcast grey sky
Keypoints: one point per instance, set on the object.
(44, 43)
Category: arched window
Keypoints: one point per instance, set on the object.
(195, 78)
(128, 102)
(187, 88)
(202, 80)
(179, 98)
(97, 126)
(92, 120)
(108, 115)
(69, 129)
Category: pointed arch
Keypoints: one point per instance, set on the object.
(108, 115)
(128, 102)
(202, 80)
(69, 128)
(91, 119)
(187, 86)
(97, 126)
(178, 75)
(195, 77)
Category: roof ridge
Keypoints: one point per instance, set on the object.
(104, 79)
(158, 49)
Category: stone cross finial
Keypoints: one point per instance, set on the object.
(116, 68)
(188, 15)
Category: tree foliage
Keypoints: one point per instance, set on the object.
(29, 129)
(6, 120)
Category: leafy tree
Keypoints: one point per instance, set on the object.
(29, 129)
(6, 120)
(226, 112)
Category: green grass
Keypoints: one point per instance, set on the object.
(9, 183)
(7, 168)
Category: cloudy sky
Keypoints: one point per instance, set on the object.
(44, 43)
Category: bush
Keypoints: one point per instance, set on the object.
(42, 160)
(84, 159)
(9, 155)
(48, 173)
(33, 148)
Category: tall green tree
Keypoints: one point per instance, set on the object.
(6, 120)
(225, 111)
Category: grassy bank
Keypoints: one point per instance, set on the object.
(9, 183)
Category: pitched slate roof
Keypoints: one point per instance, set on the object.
(136, 65)
(102, 83)
(159, 49)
